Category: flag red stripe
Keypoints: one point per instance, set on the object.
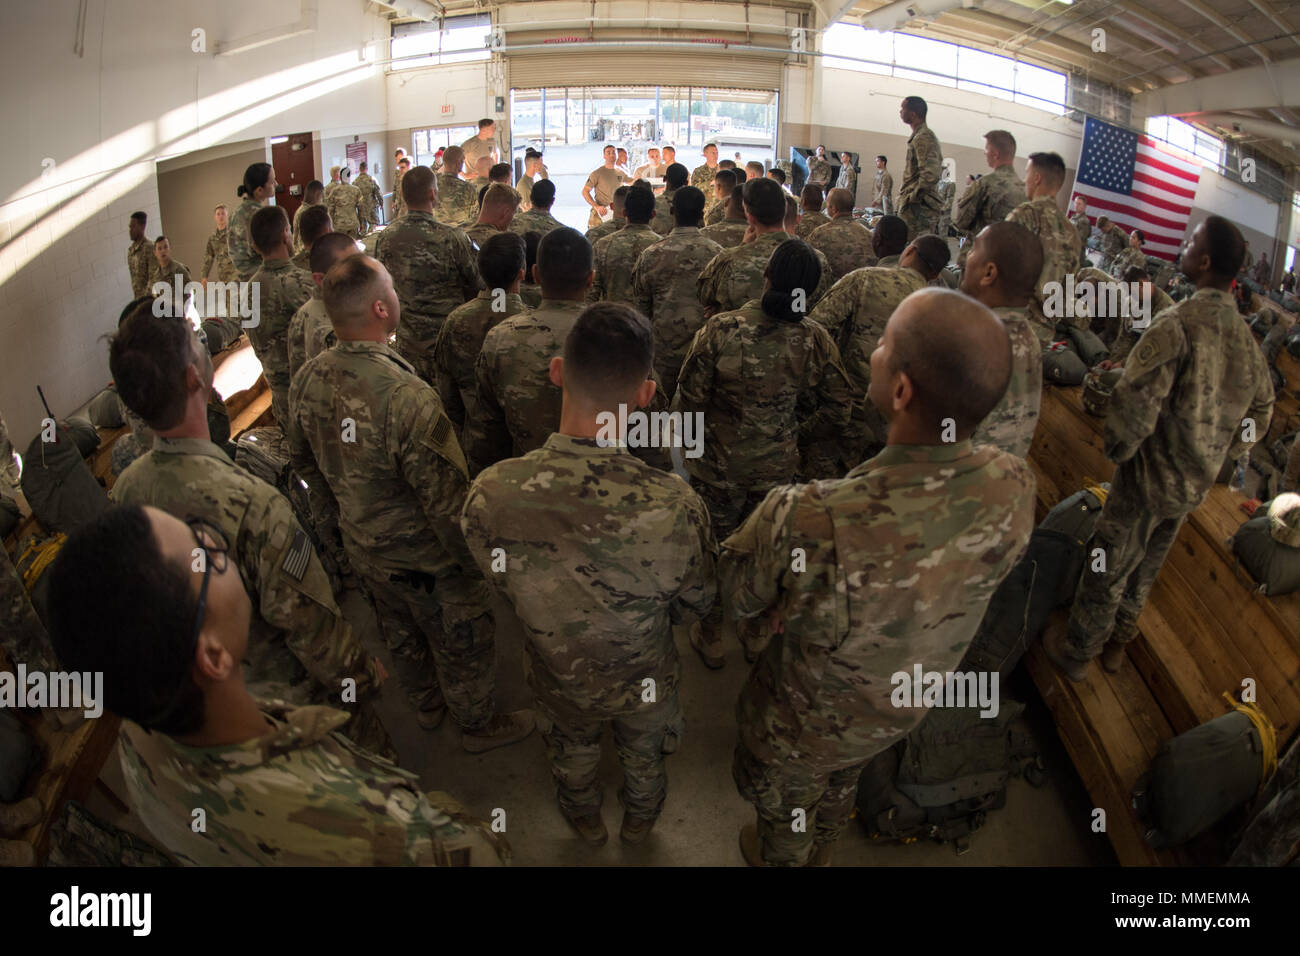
(1166, 168)
(1177, 167)
(1161, 184)
(1139, 212)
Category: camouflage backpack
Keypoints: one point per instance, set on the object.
(1098, 385)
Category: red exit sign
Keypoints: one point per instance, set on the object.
(448, 109)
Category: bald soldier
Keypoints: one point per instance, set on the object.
(278, 785)
(811, 199)
(994, 195)
(664, 283)
(902, 556)
(455, 199)
(1044, 177)
(501, 261)
(617, 221)
(315, 223)
(284, 289)
(598, 609)
(735, 276)
(598, 190)
(372, 442)
(702, 176)
(300, 646)
(675, 177)
(615, 256)
(495, 214)
(432, 267)
(919, 203)
(731, 231)
(846, 242)
(1195, 393)
(1002, 273)
(537, 218)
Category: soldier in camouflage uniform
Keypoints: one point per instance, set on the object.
(882, 194)
(731, 231)
(674, 179)
(345, 206)
(617, 221)
(1113, 241)
(616, 256)
(300, 645)
(258, 186)
(284, 289)
(310, 329)
(1131, 257)
(538, 218)
(735, 276)
(278, 785)
(1002, 273)
(598, 190)
(664, 285)
(371, 199)
(375, 448)
(334, 183)
(1044, 177)
(1195, 393)
(811, 200)
(820, 170)
(495, 214)
(217, 253)
(22, 634)
(1084, 226)
(598, 610)
(139, 255)
(403, 165)
(457, 200)
(846, 242)
(1126, 336)
(314, 223)
(432, 266)
(164, 268)
(724, 182)
(533, 172)
(919, 203)
(501, 265)
(994, 195)
(313, 195)
(848, 176)
(702, 176)
(902, 557)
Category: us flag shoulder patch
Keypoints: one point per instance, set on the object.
(298, 556)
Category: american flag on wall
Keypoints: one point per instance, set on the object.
(1126, 176)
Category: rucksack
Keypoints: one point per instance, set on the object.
(1062, 365)
(19, 756)
(1091, 349)
(104, 410)
(1274, 566)
(1199, 777)
(1292, 342)
(946, 775)
(57, 482)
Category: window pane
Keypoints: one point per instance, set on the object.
(845, 39)
(932, 56)
(1044, 89)
(986, 73)
(461, 39)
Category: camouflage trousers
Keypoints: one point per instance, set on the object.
(1135, 542)
(279, 399)
(22, 635)
(779, 791)
(440, 633)
(573, 748)
(728, 506)
(920, 219)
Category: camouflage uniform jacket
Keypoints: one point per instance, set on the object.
(330, 186)
(736, 275)
(297, 225)
(456, 350)
(990, 200)
(663, 221)
(596, 233)
(856, 309)
(728, 234)
(139, 263)
(809, 223)
(1126, 260)
(298, 631)
(1059, 239)
(846, 243)
(525, 189)
(284, 290)
(702, 177)
(300, 795)
(1081, 223)
(751, 375)
(1113, 242)
(433, 271)
(902, 557)
(371, 197)
(615, 258)
(399, 205)
(664, 282)
(921, 171)
(217, 252)
(882, 192)
(716, 212)
(604, 555)
(820, 172)
(157, 273)
(310, 333)
(848, 179)
(535, 220)
(345, 206)
(398, 488)
(1010, 426)
(457, 201)
(1177, 413)
(247, 260)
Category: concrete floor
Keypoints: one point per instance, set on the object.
(1047, 826)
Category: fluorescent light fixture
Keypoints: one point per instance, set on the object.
(279, 139)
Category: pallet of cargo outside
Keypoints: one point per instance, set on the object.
(1205, 631)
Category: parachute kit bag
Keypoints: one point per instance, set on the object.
(19, 756)
(1062, 365)
(1292, 342)
(1090, 347)
(104, 410)
(942, 780)
(1268, 545)
(1199, 777)
(57, 482)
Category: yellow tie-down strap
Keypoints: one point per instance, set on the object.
(1267, 735)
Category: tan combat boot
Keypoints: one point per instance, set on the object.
(501, 730)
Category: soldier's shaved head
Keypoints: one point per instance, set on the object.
(483, 166)
(676, 176)
(542, 195)
(791, 213)
(266, 229)
(329, 249)
(315, 222)
(765, 201)
(1050, 167)
(927, 254)
(563, 263)
(453, 157)
(500, 173)
(811, 197)
(1217, 247)
(608, 355)
(314, 193)
(639, 206)
(501, 259)
(416, 185)
(358, 295)
(1003, 265)
(754, 168)
(943, 356)
(840, 202)
(498, 199)
(688, 205)
(150, 357)
(620, 198)
(889, 238)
